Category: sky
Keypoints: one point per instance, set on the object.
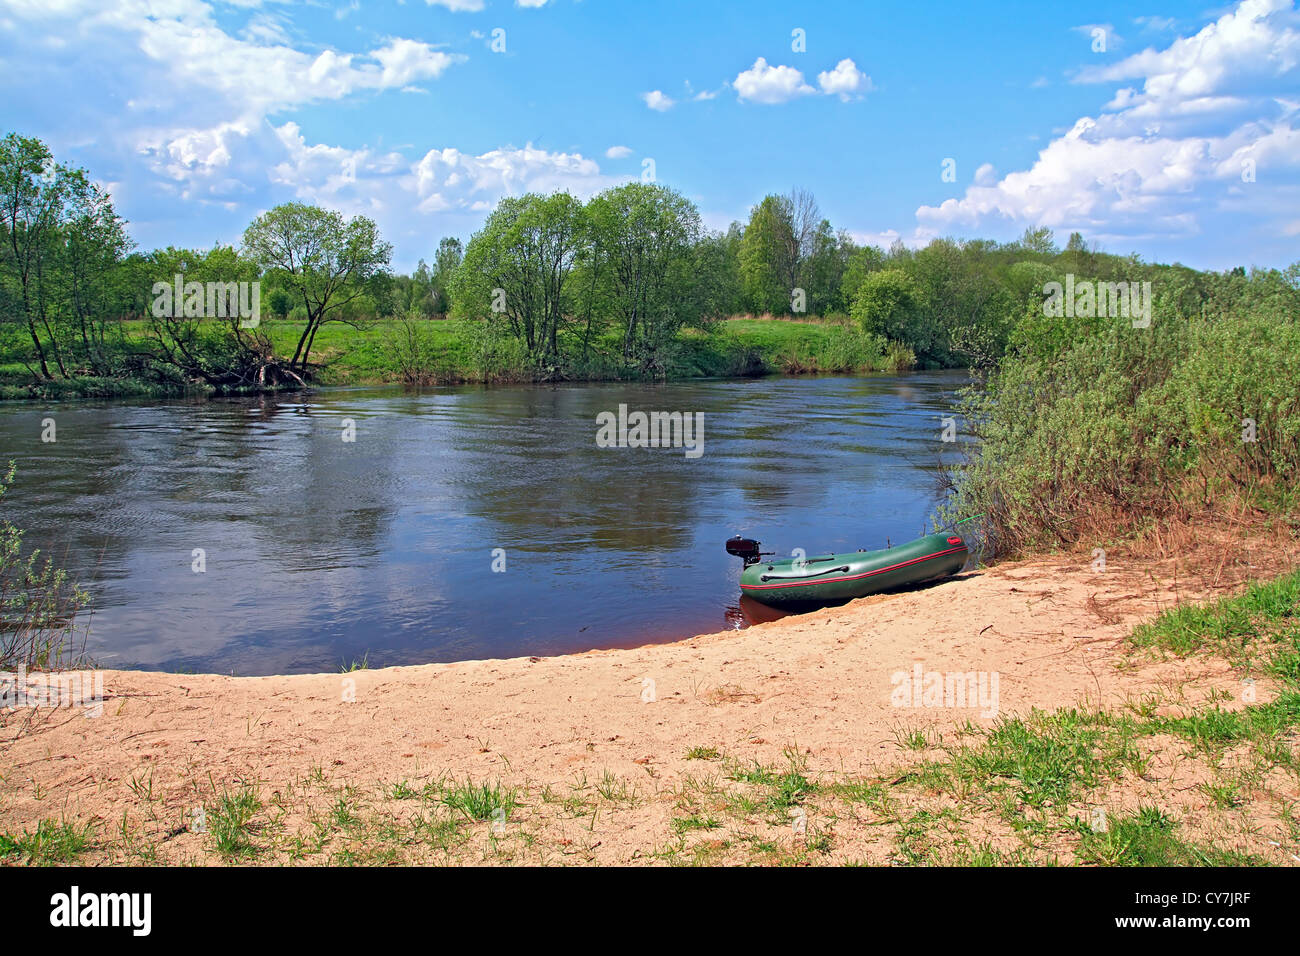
(1167, 129)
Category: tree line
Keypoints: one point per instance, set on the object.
(561, 283)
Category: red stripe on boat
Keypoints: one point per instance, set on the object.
(852, 577)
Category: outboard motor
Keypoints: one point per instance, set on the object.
(747, 549)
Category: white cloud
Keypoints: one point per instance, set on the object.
(448, 178)
(656, 100)
(770, 84)
(845, 81)
(393, 188)
(198, 99)
(405, 61)
(618, 152)
(767, 84)
(1251, 47)
(352, 180)
(1161, 157)
(985, 175)
(256, 73)
(534, 4)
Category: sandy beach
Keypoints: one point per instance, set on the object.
(650, 722)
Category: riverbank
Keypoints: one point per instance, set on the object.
(786, 742)
(453, 352)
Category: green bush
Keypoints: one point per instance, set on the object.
(1100, 422)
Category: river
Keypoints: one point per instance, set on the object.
(305, 532)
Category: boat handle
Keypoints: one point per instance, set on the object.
(776, 577)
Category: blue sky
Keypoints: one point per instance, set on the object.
(1178, 140)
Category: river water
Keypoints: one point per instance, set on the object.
(317, 551)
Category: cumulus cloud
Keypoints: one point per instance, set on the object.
(1249, 49)
(206, 115)
(657, 100)
(448, 178)
(196, 100)
(762, 83)
(262, 74)
(407, 61)
(1187, 139)
(618, 152)
(442, 180)
(845, 81)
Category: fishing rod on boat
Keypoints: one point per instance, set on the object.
(949, 527)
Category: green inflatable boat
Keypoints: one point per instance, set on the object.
(828, 578)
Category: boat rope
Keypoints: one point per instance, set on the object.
(774, 577)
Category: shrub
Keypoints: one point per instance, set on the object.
(1101, 422)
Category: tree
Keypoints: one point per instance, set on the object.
(518, 266)
(763, 249)
(58, 238)
(94, 247)
(780, 252)
(1039, 240)
(325, 261)
(822, 272)
(201, 347)
(718, 272)
(646, 234)
(861, 262)
(889, 304)
(445, 263)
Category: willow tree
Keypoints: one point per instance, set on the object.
(325, 261)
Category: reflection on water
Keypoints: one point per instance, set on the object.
(318, 551)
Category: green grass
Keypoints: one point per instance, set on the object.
(403, 791)
(1228, 626)
(364, 355)
(695, 822)
(1213, 730)
(479, 801)
(229, 821)
(1149, 838)
(357, 665)
(779, 791)
(1043, 762)
(51, 842)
